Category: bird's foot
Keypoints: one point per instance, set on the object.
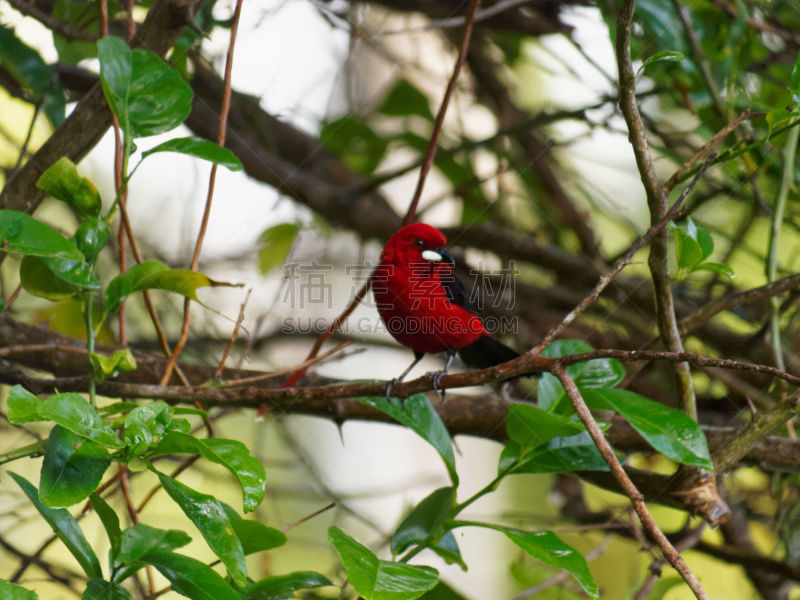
(389, 385)
(437, 377)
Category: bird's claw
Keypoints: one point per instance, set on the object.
(388, 387)
(437, 377)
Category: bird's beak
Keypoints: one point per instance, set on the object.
(438, 255)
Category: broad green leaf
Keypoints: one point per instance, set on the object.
(548, 548)
(72, 468)
(140, 540)
(91, 237)
(120, 361)
(100, 589)
(110, 522)
(254, 535)
(669, 431)
(687, 250)
(73, 412)
(357, 144)
(62, 181)
(794, 80)
(378, 579)
(147, 95)
(404, 99)
(208, 515)
(275, 243)
(37, 279)
(231, 454)
(146, 426)
(442, 591)
(12, 591)
(705, 241)
(22, 234)
(192, 578)
(530, 426)
(448, 550)
(280, 587)
(152, 275)
(714, 268)
(199, 148)
(559, 455)
(75, 272)
(597, 373)
(417, 413)
(66, 528)
(23, 407)
(422, 524)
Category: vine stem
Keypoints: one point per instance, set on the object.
(636, 497)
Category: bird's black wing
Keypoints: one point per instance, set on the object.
(456, 291)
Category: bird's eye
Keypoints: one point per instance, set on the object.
(420, 243)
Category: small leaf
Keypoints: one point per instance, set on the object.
(687, 250)
(146, 426)
(140, 540)
(663, 56)
(147, 95)
(62, 181)
(38, 280)
(280, 587)
(422, 524)
(275, 243)
(418, 414)
(548, 548)
(23, 407)
(254, 536)
(404, 99)
(355, 143)
(120, 361)
(379, 579)
(530, 426)
(72, 468)
(192, 578)
(110, 522)
(559, 455)
(669, 431)
(12, 591)
(714, 268)
(199, 148)
(91, 237)
(73, 412)
(447, 549)
(100, 589)
(208, 515)
(22, 234)
(231, 454)
(705, 241)
(66, 528)
(794, 80)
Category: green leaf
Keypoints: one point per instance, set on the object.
(687, 250)
(559, 455)
(596, 373)
(77, 273)
(62, 181)
(72, 468)
(66, 528)
(38, 80)
(280, 587)
(152, 275)
(22, 234)
(530, 426)
(37, 279)
(12, 591)
(417, 413)
(146, 426)
(275, 243)
(669, 431)
(192, 578)
(442, 591)
(73, 412)
(705, 241)
(85, 16)
(254, 535)
(208, 515)
(23, 407)
(404, 99)
(140, 540)
(91, 237)
(355, 143)
(663, 56)
(378, 579)
(422, 525)
(231, 454)
(110, 522)
(794, 80)
(100, 589)
(199, 148)
(447, 549)
(714, 268)
(147, 95)
(120, 361)
(548, 548)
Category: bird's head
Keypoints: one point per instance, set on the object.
(417, 243)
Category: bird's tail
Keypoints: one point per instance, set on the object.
(487, 352)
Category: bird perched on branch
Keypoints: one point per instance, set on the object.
(425, 307)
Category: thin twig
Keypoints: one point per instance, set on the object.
(234, 335)
(221, 134)
(57, 26)
(286, 528)
(636, 498)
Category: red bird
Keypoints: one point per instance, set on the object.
(425, 307)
